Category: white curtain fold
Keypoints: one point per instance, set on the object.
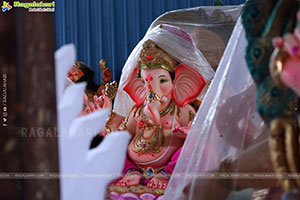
(226, 123)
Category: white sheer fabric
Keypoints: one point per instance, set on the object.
(204, 16)
(209, 26)
(226, 122)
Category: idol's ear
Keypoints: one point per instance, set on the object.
(187, 85)
(135, 88)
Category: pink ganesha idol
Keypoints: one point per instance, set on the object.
(162, 91)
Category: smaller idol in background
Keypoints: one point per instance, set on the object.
(81, 72)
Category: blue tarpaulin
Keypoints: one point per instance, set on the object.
(110, 29)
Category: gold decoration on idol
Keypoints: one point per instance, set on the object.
(150, 172)
(111, 90)
(152, 143)
(102, 64)
(276, 65)
(284, 150)
(152, 96)
(152, 57)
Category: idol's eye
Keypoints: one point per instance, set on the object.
(143, 82)
(163, 80)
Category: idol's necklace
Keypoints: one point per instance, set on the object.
(153, 143)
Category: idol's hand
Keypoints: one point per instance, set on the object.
(91, 107)
(289, 71)
(104, 100)
(106, 75)
(182, 131)
(289, 42)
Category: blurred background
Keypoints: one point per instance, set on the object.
(111, 29)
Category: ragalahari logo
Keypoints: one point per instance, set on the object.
(6, 6)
